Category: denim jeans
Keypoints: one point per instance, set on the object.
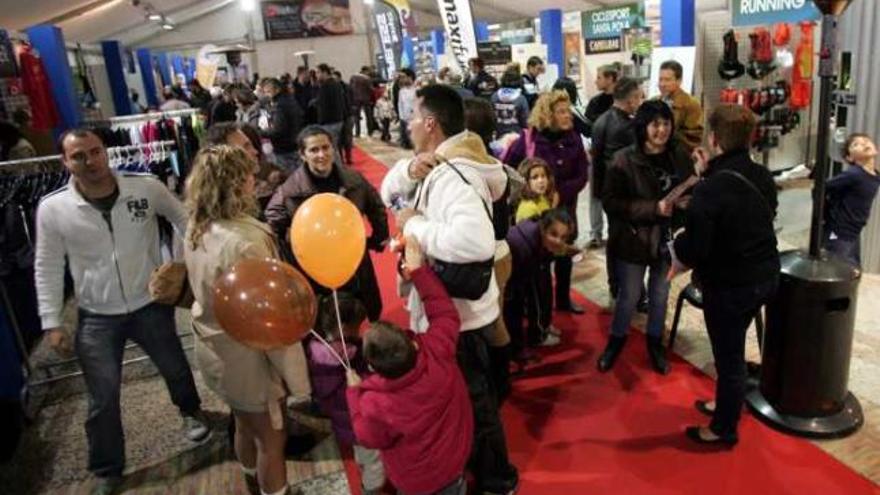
(405, 141)
(728, 313)
(100, 343)
(489, 461)
(288, 161)
(335, 129)
(848, 249)
(630, 279)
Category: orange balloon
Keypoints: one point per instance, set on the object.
(328, 238)
(264, 303)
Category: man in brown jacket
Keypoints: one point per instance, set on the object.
(687, 110)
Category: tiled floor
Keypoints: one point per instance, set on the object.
(52, 457)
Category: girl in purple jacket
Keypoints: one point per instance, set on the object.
(328, 380)
(534, 243)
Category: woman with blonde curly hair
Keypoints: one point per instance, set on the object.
(223, 229)
(551, 136)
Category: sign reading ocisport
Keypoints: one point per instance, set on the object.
(603, 28)
(607, 23)
(459, 23)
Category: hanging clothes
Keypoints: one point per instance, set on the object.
(36, 85)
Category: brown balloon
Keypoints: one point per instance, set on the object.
(264, 303)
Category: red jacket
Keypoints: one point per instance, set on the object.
(422, 422)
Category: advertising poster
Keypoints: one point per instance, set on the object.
(292, 19)
(572, 51)
(513, 33)
(394, 22)
(495, 53)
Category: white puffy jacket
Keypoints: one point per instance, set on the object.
(454, 226)
(111, 262)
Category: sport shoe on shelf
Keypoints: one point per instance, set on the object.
(550, 341)
(553, 330)
(196, 427)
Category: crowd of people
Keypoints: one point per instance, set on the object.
(487, 211)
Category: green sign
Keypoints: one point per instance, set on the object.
(611, 22)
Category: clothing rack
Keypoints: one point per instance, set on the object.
(145, 117)
(113, 149)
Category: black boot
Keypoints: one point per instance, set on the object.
(612, 350)
(657, 354)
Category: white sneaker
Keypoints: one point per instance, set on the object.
(196, 427)
(554, 331)
(550, 341)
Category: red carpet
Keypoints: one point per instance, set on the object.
(572, 430)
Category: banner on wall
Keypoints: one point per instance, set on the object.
(207, 64)
(394, 22)
(495, 52)
(460, 35)
(513, 33)
(292, 19)
(611, 22)
(754, 12)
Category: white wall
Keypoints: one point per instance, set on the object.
(272, 58)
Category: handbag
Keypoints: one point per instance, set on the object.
(169, 285)
(464, 280)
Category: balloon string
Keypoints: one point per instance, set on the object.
(335, 354)
(341, 333)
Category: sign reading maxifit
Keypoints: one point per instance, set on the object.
(754, 12)
(459, 23)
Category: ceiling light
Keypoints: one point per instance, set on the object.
(369, 3)
(248, 5)
(155, 17)
(168, 26)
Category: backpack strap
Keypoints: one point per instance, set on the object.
(424, 185)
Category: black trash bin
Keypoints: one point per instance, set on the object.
(807, 348)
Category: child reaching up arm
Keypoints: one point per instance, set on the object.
(415, 408)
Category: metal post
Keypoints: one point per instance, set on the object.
(820, 172)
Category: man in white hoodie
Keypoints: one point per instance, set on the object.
(444, 198)
(105, 226)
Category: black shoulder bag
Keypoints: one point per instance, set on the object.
(465, 280)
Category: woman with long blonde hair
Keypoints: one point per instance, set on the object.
(551, 136)
(223, 229)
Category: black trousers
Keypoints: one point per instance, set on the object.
(371, 120)
(489, 462)
(728, 313)
(562, 268)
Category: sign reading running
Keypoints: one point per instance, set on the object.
(610, 23)
(459, 23)
(289, 19)
(755, 12)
